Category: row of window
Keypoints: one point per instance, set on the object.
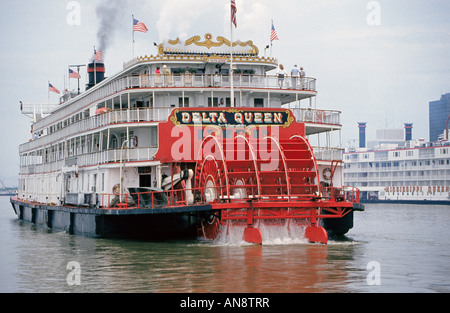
(397, 164)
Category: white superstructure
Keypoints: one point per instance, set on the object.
(104, 140)
(417, 171)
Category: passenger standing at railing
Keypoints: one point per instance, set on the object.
(295, 74)
(158, 79)
(302, 78)
(281, 74)
(166, 73)
(216, 80)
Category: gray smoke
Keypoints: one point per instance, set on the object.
(108, 13)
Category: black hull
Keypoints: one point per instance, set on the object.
(338, 226)
(153, 224)
(341, 226)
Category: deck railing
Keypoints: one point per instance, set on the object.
(328, 154)
(317, 116)
(155, 114)
(177, 197)
(36, 165)
(108, 88)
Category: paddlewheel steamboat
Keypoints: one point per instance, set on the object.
(181, 144)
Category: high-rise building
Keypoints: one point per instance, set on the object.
(362, 134)
(439, 111)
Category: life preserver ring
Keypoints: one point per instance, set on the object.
(102, 110)
(135, 141)
(327, 173)
(116, 189)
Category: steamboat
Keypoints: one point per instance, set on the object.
(397, 169)
(194, 141)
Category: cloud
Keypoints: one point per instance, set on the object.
(180, 15)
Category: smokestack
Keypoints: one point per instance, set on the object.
(96, 74)
(362, 134)
(408, 131)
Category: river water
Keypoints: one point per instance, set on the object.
(392, 248)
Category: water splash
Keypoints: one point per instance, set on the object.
(272, 234)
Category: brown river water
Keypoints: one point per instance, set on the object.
(391, 249)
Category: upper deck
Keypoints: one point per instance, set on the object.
(198, 75)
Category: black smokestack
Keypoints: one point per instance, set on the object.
(96, 73)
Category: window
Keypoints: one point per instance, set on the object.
(228, 102)
(213, 102)
(258, 102)
(186, 102)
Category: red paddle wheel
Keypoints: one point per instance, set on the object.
(248, 180)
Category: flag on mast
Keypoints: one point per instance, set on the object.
(73, 74)
(97, 55)
(53, 89)
(273, 34)
(139, 26)
(233, 12)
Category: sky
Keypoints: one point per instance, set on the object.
(379, 62)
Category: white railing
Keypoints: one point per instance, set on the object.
(100, 157)
(328, 154)
(153, 115)
(203, 81)
(317, 116)
(97, 121)
(108, 88)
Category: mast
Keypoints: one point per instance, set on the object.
(232, 70)
(232, 21)
(132, 32)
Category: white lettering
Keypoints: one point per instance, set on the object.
(374, 17)
(238, 117)
(374, 276)
(74, 277)
(74, 16)
(181, 149)
(192, 303)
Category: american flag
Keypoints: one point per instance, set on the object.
(73, 74)
(97, 55)
(273, 34)
(139, 26)
(233, 13)
(53, 89)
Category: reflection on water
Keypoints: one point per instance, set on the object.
(35, 259)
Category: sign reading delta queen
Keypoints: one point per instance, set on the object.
(232, 117)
